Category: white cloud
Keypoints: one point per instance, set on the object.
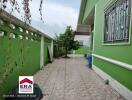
(56, 17)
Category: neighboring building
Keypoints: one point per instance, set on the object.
(83, 38)
(110, 26)
(82, 35)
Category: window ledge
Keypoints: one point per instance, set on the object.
(123, 43)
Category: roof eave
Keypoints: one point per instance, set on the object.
(81, 12)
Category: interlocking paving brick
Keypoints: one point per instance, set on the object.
(71, 79)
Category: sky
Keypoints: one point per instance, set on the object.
(57, 14)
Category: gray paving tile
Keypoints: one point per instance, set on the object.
(70, 79)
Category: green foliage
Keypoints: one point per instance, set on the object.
(82, 50)
(66, 41)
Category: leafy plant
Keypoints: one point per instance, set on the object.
(66, 41)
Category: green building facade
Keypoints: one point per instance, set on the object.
(111, 33)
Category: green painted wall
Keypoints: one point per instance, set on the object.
(82, 50)
(18, 56)
(122, 75)
(47, 42)
(89, 6)
(118, 52)
(17, 63)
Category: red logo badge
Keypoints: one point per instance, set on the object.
(25, 84)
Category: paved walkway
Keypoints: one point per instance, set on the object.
(71, 79)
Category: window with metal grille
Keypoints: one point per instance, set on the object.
(80, 42)
(117, 19)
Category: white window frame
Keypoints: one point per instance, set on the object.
(81, 42)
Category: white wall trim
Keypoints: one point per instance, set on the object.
(94, 30)
(42, 52)
(52, 49)
(119, 63)
(115, 84)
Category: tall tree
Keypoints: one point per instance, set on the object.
(67, 42)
